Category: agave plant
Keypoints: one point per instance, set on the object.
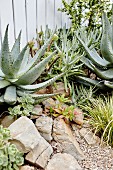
(102, 66)
(18, 71)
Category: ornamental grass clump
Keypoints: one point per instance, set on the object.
(101, 117)
(10, 157)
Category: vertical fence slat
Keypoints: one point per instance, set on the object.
(0, 33)
(36, 2)
(31, 21)
(58, 14)
(41, 14)
(20, 20)
(50, 14)
(13, 19)
(26, 19)
(7, 18)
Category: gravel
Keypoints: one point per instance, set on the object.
(97, 157)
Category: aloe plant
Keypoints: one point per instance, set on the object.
(18, 70)
(102, 66)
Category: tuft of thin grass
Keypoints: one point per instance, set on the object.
(101, 113)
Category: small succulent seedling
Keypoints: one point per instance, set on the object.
(24, 108)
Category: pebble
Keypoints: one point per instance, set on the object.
(97, 157)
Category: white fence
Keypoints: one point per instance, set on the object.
(29, 16)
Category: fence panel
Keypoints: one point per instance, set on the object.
(6, 17)
(29, 16)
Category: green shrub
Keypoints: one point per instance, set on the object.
(88, 11)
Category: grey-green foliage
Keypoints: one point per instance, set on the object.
(82, 96)
(10, 157)
(102, 66)
(69, 56)
(24, 108)
(18, 70)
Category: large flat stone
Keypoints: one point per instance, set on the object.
(25, 134)
(63, 162)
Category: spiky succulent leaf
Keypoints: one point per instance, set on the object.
(16, 48)
(41, 85)
(93, 55)
(36, 96)
(25, 60)
(87, 81)
(87, 62)
(106, 47)
(33, 74)
(18, 61)
(106, 40)
(6, 58)
(2, 99)
(109, 84)
(36, 58)
(10, 96)
(4, 83)
(106, 74)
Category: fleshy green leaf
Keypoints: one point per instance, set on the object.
(6, 59)
(10, 95)
(16, 48)
(33, 74)
(41, 85)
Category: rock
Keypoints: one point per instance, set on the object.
(24, 132)
(60, 88)
(90, 138)
(40, 154)
(48, 103)
(63, 162)
(44, 125)
(38, 110)
(78, 116)
(7, 121)
(62, 134)
(26, 167)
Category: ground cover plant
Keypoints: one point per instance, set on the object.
(10, 157)
(24, 107)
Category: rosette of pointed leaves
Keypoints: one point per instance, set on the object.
(101, 66)
(18, 71)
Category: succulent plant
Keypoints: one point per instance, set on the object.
(24, 108)
(10, 157)
(102, 66)
(18, 71)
